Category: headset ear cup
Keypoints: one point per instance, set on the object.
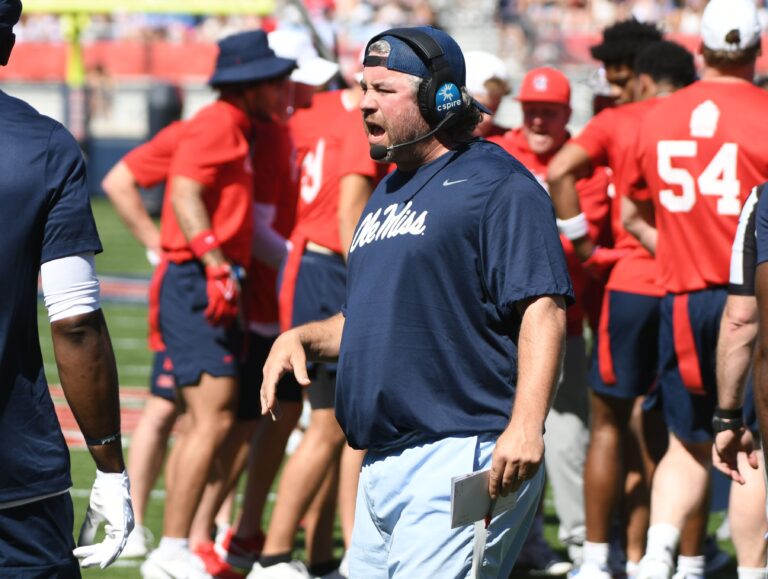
(426, 100)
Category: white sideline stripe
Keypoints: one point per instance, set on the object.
(155, 494)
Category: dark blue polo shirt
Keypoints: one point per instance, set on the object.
(761, 227)
(45, 214)
(437, 263)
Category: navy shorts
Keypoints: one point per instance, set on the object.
(625, 354)
(162, 382)
(36, 540)
(194, 345)
(288, 390)
(690, 325)
(320, 292)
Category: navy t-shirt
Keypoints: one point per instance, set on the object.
(761, 229)
(45, 214)
(437, 264)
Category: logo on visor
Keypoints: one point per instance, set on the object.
(448, 97)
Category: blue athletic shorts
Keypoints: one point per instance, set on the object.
(625, 353)
(402, 524)
(36, 540)
(194, 345)
(690, 325)
(320, 292)
(288, 390)
(162, 382)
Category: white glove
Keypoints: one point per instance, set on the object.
(110, 503)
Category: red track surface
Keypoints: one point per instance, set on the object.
(131, 403)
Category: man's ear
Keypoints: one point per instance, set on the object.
(7, 41)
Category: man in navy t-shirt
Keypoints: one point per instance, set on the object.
(48, 227)
(455, 309)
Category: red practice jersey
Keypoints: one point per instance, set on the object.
(149, 162)
(594, 198)
(610, 139)
(330, 143)
(275, 181)
(700, 152)
(214, 151)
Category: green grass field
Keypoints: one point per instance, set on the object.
(127, 324)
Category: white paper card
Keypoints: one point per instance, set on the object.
(470, 500)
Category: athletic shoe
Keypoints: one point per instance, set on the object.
(240, 554)
(590, 571)
(539, 560)
(715, 557)
(181, 565)
(215, 566)
(139, 543)
(291, 570)
(681, 575)
(654, 569)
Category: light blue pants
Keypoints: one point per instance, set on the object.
(403, 515)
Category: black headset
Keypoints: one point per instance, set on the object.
(440, 96)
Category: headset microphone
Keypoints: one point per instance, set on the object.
(380, 152)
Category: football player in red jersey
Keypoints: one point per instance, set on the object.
(624, 369)
(544, 96)
(696, 163)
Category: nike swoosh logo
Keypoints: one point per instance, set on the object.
(448, 183)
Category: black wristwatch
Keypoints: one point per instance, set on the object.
(723, 420)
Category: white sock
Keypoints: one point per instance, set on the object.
(595, 553)
(662, 542)
(751, 572)
(632, 568)
(691, 566)
(172, 545)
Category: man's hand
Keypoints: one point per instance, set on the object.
(223, 292)
(287, 354)
(110, 503)
(725, 452)
(516, 458)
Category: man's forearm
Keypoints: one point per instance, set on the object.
(637, 219)
(88, 376)
(736, 343)
(191, 214)
(322, 339)
(122, 190)
(541, 347)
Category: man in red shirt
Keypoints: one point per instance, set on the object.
(206, 235)
(336, 178)
(625, 366)
(545, 95)
(146, 166)
(698, 158)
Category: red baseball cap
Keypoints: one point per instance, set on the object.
(545, 85)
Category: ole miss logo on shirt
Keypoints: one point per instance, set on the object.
(395, 223)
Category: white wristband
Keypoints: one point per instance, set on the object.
(575, 227)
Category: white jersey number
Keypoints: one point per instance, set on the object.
(312, 172)
(718, 179)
